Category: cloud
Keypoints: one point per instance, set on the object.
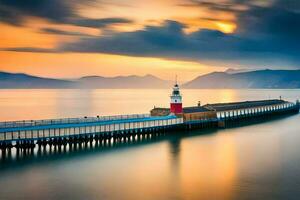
(278, 20)
(61, 32)
(266, 34)
(30, 49)
(166, 38)
(225, 6)
(166, 41)
(59, 11)
(99, 23)
(14, 11)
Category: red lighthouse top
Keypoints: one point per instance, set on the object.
(176, 100)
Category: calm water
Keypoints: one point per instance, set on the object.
(259, 161)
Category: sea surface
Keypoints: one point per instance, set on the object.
(259, 161)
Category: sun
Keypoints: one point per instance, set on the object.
(226, 27)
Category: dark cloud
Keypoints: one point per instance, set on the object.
(99, 23)
(226, 6)
(276, 20)
(30, 49)
(153, 39)
(59, 11)
(14, 11)
(61, 32)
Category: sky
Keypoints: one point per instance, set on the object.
(74, 38)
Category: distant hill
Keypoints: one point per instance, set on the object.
(147, 81)
(253, 79)
(235, 71)
(10, 80)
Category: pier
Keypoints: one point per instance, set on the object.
(26, 134)
(29, 133)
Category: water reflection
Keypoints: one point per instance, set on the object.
(16, 157)
(75, 102)
(228, 95)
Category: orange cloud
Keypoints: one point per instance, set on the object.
(12, 36)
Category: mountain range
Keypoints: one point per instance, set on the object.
(228, 79)
(10, 80)
(147, 81)
(253, 79)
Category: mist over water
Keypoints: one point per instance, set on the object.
(259, 161)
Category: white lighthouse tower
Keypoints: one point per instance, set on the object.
(176, 100)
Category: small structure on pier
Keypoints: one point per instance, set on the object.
(193, 113)
(160, 111)
(197, 113)
(188, 113)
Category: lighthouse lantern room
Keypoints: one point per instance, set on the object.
(176, 100)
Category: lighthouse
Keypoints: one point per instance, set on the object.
(176, 100)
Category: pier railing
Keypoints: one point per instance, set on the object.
(28, 123)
